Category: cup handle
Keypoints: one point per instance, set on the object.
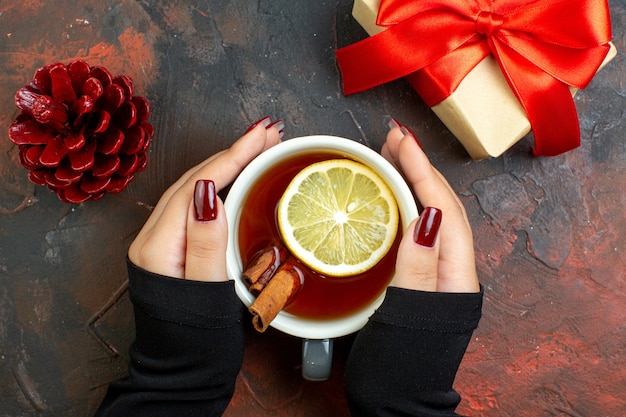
(317, 358)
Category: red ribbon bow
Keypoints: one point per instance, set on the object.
(541, 46)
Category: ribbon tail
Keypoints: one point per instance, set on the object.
(370, 63)
(547, 101)
(556, 131)
(393, 53)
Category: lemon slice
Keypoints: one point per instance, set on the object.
(338, 217)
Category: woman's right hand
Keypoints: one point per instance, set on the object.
(437, 250)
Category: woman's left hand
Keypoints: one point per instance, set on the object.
(186, 234)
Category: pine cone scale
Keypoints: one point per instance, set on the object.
(53, 153)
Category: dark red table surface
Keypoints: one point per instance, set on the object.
(550, 233)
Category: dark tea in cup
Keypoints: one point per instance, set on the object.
(320, 297)
(328, 308)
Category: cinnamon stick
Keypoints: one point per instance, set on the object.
(277, 294)
(262, 267)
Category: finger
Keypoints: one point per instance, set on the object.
(398, 136)
(384, 151)
(234, 159)
(457, 271)
(389, 149)
(418, 254)
(222, 168)
(207, 235)
(430, 187)
(273, 133)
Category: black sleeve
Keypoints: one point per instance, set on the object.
(404, 361)
(187, 352)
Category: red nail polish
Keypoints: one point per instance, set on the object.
(392, 122)
(427, 227)
(205, 200)
(406, 131)
(280, 126)
(264, 121)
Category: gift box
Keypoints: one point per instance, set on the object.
(455, 54)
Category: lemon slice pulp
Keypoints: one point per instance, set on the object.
(338, 217)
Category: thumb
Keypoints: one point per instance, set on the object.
(207, 235)
(418, 255)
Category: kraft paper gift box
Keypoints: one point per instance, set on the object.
(482, 112)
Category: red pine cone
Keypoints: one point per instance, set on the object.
(81, 131)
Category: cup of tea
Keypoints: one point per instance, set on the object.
(324, 308)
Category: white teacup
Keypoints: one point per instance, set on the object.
(317, 335)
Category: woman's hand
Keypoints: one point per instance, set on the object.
(437, 250)
(186, 234)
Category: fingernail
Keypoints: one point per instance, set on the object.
(280, 126)
(427, 227)
(205, 200)
(407, 132)
(264, 121)
(391, 122)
